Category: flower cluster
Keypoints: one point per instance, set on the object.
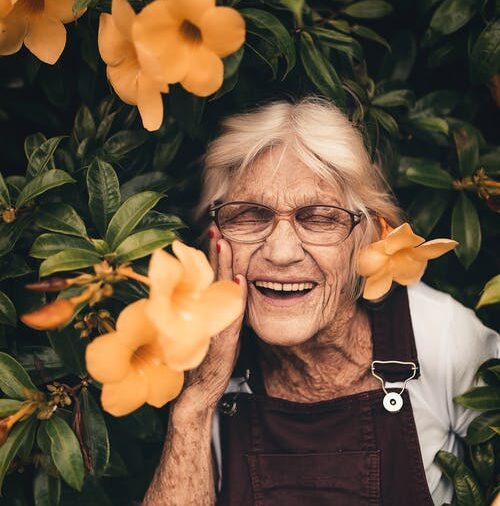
(400, 256)
(169, 41)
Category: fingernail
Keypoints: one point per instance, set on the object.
(211, 233)
(218, 247)
(236, 279)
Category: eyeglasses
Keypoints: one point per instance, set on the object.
(319, 225)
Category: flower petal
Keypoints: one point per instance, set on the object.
(191, 10)
(123, 16)
(401, 237)
(222, 303)
(5, 7)
(62, 10)
(123, 78)
(223, 30)
(205, 73)
(149, 102)
(406, 269)
(13, 29)
(378, 285)
(371, 259)
(434, 248)
(198, 273)
(46, 38)
(184, 352)
(164, 385)
(123, 397)
(113, 46)
(107, 359)
(134, 326)
(162, 52)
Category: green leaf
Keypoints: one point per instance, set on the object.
(104, 193)
(13, 266)
(271, 31)
(46, 245)
(8, 314)
(320, 71)
(491, 292)
(27, 445)
(128, 216)
(84, 126)
(295, 6)
(484, 58)
(153, 181)
(480, 398)
(9, 407)
(166, 150)
(368, 33)
(340, 42)
(61, 218)
(466, 229)
(428, 173)
(437, 103)
(368, 9)
(9, 449)
(95, 433)
(121, 143)
(141, 244)
(4, 194)
(427, 209)
(69, 260)
(451, 15)
(32, 142)
(10, 232)
(384, 119)
(41, 183)
(483, 461)
(489, 371)
(397, 64)
(466, 488)
(395, 98)
(46, 489)
(65, 451)
(154, 219)
(490, 161)
(479, 430)
(70, 348)
(467, 150)
(42, 157)
(14, 380)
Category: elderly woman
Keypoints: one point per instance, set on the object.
(314, 397)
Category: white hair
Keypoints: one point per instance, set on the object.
(321, 137)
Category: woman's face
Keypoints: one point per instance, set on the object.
(278, 179)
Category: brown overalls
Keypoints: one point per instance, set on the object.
(348, 451)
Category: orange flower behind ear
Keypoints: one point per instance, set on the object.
(184, 41)
(185, 305)
(129, 362)
(401, 256)
(124, 71)
(39, 24)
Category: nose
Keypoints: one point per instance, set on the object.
(283, 247)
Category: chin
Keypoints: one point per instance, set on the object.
(282, 333)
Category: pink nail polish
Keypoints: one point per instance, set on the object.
(211, 233)
(236, 279)
(218, 248)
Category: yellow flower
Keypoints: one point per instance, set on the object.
(51, 316)
(186, 306)
(184, 41)
(125, 73)
(129, 363)
(37, 23)
(8, 422)
(400, 256)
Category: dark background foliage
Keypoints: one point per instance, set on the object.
(419, 78)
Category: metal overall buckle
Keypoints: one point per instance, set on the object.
(393, 401)
(229, 407)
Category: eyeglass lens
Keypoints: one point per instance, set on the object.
(314, 224)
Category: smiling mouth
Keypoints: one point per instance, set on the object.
(283, 290)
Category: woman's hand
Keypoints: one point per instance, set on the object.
(206, 384)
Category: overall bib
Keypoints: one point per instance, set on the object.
(348, 451)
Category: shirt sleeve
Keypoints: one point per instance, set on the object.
(470, 343)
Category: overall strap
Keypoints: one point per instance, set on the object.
(393, 338)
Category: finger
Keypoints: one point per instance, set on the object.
(215, 234)
(225, 264)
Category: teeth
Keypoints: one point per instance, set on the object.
(284, 287)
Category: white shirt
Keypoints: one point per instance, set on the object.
(451, 343)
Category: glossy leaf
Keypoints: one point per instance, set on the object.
(10, 233)
(491, 292)
(483, 461)
(368, 9)
(41, 158)
(9, 449)
(95, 433)
(451, 15)
(104, 193)
(14, 380)
(395, 98)
(123, 142)
(480, 398)
(4, 194)
(7, 311)
(128, 216)
(467, 150)
(84, 124)
(70, 348)
(65, 451)
(143, 243)
(46, 245)
(9, 407)
(61, 218)
(368, 33)
(69, 260)
(153, 181)
(320, 71)
(32, 142)
(484, 58)
(46, 489)
(165, 151)
(295, 6)
(13, 266)
(479, 430)
(42, 183)
(154, 219)
(427, 209)
(428, 173)
(340, 42)
(384, 120)
(437, 103)
(466, 229)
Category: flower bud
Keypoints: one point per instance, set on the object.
(51, 316)
(48, 285)
(9, 215)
